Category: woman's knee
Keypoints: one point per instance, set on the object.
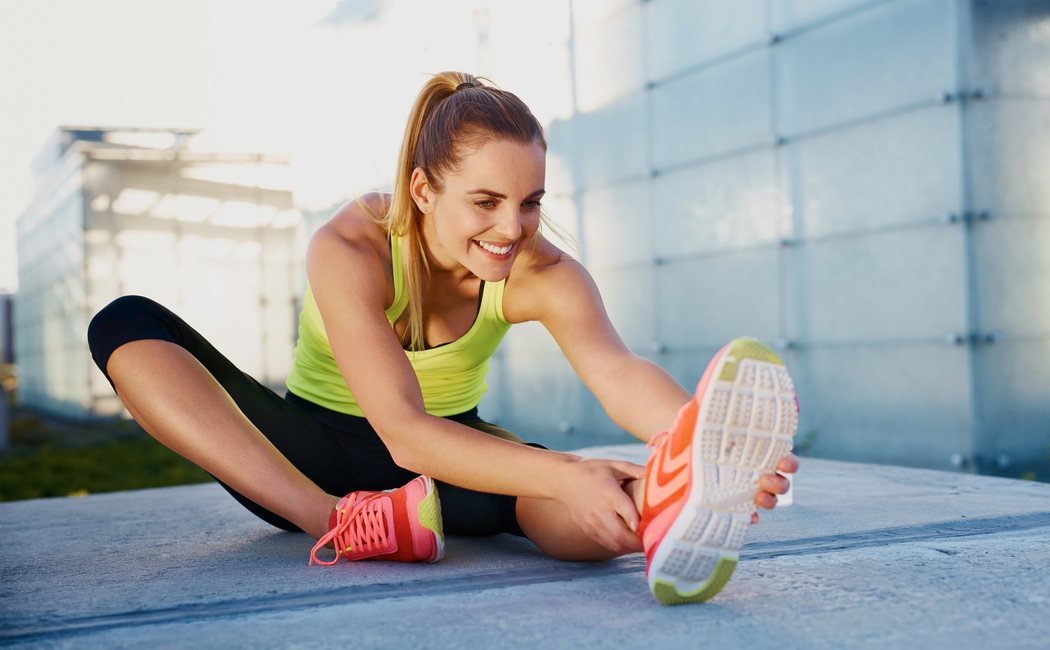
(116, 313)
(125, 319)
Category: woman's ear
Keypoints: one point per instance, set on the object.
(419, 188)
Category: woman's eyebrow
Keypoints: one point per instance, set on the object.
(498, 195)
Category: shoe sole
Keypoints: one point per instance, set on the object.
(747, 420)
(429, 514)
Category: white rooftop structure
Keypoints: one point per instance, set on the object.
(212, 236)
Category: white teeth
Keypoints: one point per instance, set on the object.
(494, 249)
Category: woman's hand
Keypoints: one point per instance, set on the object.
(770, 485)
(592, 488)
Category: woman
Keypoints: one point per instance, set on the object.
(408, 296)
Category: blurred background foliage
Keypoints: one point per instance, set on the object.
(53, 458)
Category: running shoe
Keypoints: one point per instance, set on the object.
(402, 525)
(702, 477)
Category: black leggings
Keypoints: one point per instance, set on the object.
(340, 453)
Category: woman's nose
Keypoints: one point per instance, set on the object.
(510, 225)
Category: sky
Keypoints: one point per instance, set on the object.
(189, 63)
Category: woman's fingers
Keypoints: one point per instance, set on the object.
(625, 540)
(601, 506)
(773, 483)
(627, 511)
(603, 537)
(770, 485)
(788, 464)
(626, 470)
(623, 525)
(610, 531)
(766, 500)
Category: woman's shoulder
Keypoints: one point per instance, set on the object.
(537, 272)
(353, 242)
(359, 220)
(355, 227)
(543, 260)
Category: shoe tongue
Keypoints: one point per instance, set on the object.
(379, 514)
(332, 518)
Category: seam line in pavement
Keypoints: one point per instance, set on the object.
(498, 579)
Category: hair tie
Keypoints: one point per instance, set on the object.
(465, 84)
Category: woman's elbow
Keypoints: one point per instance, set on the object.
(404, 459)
(398, 444)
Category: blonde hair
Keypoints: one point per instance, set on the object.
(454, 113)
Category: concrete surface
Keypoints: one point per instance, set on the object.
(869, 556)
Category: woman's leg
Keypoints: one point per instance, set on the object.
(195, 402)
(178, 402)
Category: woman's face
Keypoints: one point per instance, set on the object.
(489, 209)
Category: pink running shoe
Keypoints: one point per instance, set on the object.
(402, 525)
(701, 480)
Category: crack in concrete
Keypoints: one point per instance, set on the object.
(498, 579)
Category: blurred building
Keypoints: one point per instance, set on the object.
(122, 211)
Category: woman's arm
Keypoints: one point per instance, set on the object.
(637, 395)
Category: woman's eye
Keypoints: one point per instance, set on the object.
(487, 205)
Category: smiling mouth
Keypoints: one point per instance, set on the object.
(491, 249)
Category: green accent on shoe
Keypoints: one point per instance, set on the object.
(746, 348)
(667, 594)
(429, 512)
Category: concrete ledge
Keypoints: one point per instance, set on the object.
(869, 556)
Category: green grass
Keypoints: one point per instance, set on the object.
(107, 467)
(54, 459)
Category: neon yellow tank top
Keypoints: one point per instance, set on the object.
(451, 376)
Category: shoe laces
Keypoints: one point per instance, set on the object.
(360, 529)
